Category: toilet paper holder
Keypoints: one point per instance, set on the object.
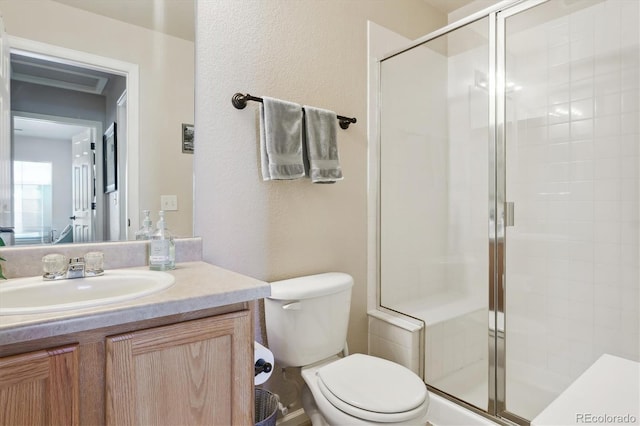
(262, 366)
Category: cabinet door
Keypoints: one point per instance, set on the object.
(192, 373)
(40, 388)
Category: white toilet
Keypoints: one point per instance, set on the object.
(307, 320)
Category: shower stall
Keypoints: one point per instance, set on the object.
(508, 197)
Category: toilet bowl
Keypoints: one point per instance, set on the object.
(363, 390)
(307, 320)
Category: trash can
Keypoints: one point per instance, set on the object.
(266, 408)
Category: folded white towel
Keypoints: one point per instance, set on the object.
(281, 139)
(322, 145)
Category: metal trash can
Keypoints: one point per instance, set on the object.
(266, 408)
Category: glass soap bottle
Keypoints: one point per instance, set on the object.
(162, 252)
(145, 231)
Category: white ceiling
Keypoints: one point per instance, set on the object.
(448, 6)
(43, 129)
(173, 17)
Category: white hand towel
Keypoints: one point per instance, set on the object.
(322, 145)
(281, 139)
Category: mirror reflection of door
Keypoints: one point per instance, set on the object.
(82, 186)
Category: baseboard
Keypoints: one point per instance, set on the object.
(295, 418)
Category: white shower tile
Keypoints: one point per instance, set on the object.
(629, 255)
(580, 228)
(606, 147)
(582, 109)
(630, 321)
(582, 170)
(606, 212)
(629, 123)
(557, 171)
(582, 89)
(631, 57)
(607, 253)
(605, 84)
(607, 190)
(582, 69)
(630, 100)
(559, 132)
(558, 307)
(559, 269)
(582, 150)
(582, 251)
(559, 95)
(630, 79)
(629, 187)
(606, 274)
(582, 129)
(559, 113)
(581, 191)
(606, 64)
(629, 168)
(629, 299)
(581, 270)
(582, 47)
(555, 152)
(607, 313)
(559, 54)
(629, 233)
(558, 32)
(607, 126)
(558, 75)
(608, 104)
(606, 232)
(607, 168)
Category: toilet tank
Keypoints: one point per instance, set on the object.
(307, 318)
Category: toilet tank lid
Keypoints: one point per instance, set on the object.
(310, 286)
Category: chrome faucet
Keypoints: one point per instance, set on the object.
(75, 269)
(56, 267)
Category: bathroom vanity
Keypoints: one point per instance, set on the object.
(180, 356)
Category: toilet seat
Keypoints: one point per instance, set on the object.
(372, 389)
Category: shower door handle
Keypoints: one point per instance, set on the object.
(508, 213)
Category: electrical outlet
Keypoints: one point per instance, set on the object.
(169, 202)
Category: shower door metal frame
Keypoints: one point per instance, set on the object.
(497, 203)
(503, 208)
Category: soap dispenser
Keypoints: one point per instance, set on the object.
(145, 231)
(162, 253)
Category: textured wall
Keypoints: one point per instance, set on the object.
(310, 52)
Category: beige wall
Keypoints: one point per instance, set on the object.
(166, 90)
(310, 52)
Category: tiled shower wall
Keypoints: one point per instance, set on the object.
(572, 171)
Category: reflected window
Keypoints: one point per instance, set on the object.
(32, 185)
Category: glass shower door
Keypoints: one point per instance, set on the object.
(571, 165)
(434, 185)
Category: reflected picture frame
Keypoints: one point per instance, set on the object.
(187, 138)
(110, 156)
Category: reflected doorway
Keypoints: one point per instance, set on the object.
(55, 179)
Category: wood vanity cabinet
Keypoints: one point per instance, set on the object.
(40, 387)
(188, 373)
(188, 369)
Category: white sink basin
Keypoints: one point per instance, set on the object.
(33, 295)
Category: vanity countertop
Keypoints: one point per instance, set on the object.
(199, 285)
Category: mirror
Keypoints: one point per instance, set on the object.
(144, 50)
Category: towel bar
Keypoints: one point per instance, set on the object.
(240, 102)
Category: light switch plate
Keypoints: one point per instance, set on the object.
(169, 202)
